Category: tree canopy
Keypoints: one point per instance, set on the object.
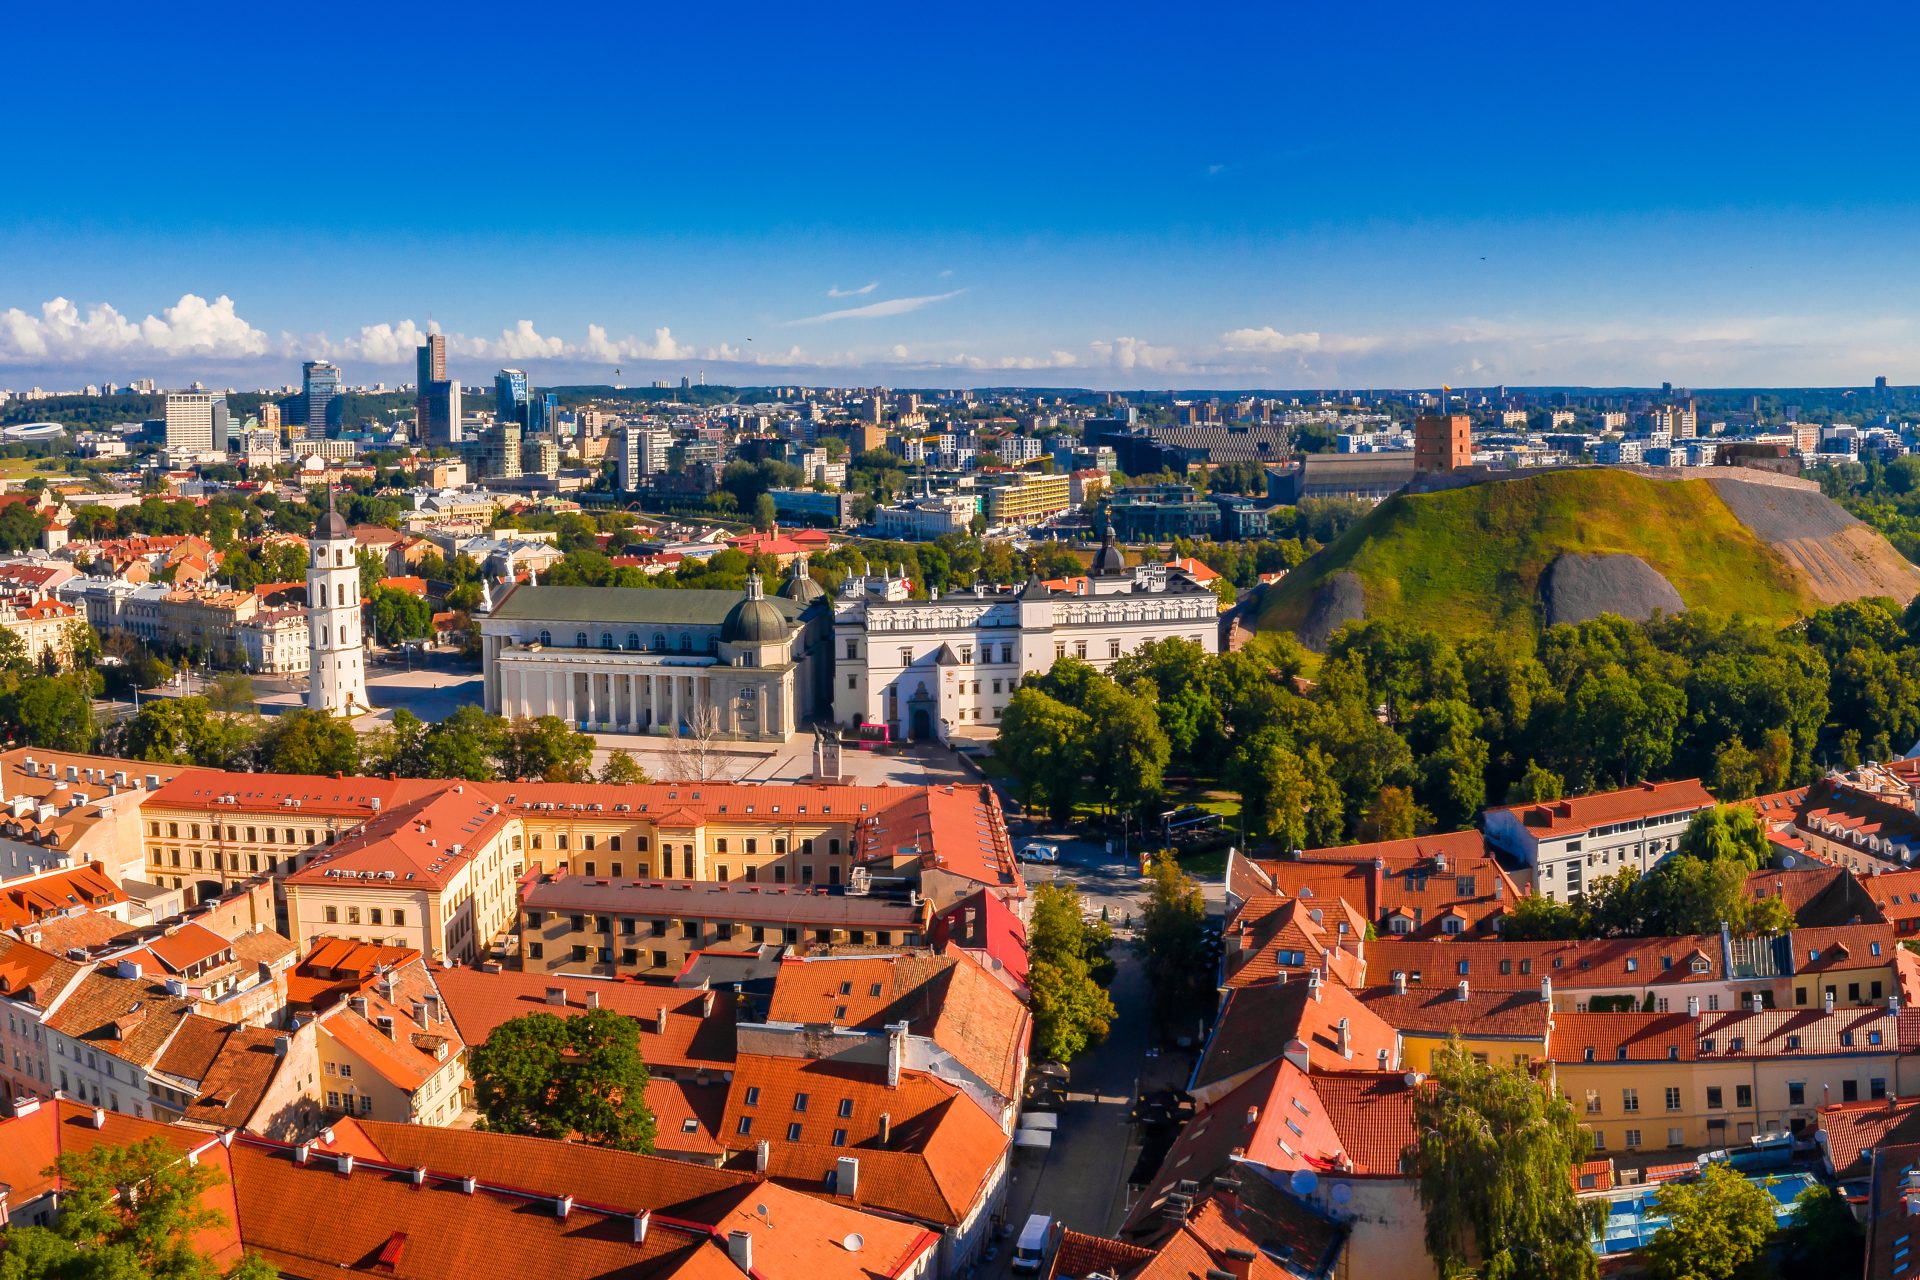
(562, 1077)
(1071, 1012)
(1716, 1225)
(126, 1213)
(1494, 1153)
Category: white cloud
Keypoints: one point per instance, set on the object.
(599, 347)
(876, 310)
(868, 287)
(61, 334)
(1136, 353)
(383, 343)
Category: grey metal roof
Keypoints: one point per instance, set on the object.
(667, 605)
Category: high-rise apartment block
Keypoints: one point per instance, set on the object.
(1442, 442)
(642, 452)
(196, 421)
(440, 414)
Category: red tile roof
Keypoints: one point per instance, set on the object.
(699, 1030)
(949, 999)
(1518, 1015)
(425, 841)
(1600, 1037)
(1580, 813)
(1849, 1131)
(1590, 962)
(1774, 1033)
(23, 902)
(1256, 1023)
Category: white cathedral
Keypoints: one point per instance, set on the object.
(336, 675)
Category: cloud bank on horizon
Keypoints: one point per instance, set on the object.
(196, 337)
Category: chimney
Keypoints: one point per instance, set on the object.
(1313, 985)
(896, 1050)
(1546, 991)
(1826, 1002)
(1253, 1116)
(302, 1152)
(846, 1177)
(886, 1127)
(1296, 1052)
(358, 1004)
(420, 1012)
(469, 1184)
(1340, 1038)
(99, 1118)
(641, 1221)
(419, 1175)
(1440, 862)
(128, 969)
(1240, 1263)
(1693, 1006)
(1384, 1061)
(1756, 1002)
(763, 1149)
(1460, 989)
(282, 1045)
(385, 1024)
(1893, 1003)
(563, 1206)
(740, 1249)
(1399, 982)
(660, 1021)
(344, 1162)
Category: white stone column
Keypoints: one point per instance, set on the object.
(653, 698)
(673, 703)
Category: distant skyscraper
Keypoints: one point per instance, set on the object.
(430, 367)
(196, 421)
(510, 396)
(440, 414)
(320, 381)
(1880, 384)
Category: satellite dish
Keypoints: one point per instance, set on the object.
(1787, 862)
(854, 1243)
(1304, 1181)
(1342, 1192)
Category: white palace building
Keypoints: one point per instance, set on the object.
(946, 667)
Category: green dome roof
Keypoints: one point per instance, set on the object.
(755, 620)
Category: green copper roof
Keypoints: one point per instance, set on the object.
(666, 605)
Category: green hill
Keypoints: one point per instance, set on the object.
(1470, 560)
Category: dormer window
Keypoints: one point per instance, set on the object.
(1620, 1054)
(1588, 1055)
(1633, 965)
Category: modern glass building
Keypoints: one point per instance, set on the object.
(510, 395)
(320, 380)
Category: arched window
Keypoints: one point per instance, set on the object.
(546, 637)
(339, 557)
(323, 595)
(686, 643)
(713, 644)
(633, 639)
(580, 640)
(659, 640)
(606, 639)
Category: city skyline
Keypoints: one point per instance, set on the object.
(1290, 200)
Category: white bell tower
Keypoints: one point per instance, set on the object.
(336, 675)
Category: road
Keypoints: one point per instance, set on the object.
(1081, 1180)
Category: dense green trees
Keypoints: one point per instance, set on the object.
(1173, 940)
(474, 745)
(1067, 959)
(126, 1213)
(562, 1077)
(1074, 735)
(1717, 1224)
(1493, 1153)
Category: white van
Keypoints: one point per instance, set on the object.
(1030, 1254)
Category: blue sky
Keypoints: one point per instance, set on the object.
(1112, 196)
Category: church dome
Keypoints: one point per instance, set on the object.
(755, 620)
(800, 587)
(1109, 560)
(332, 527)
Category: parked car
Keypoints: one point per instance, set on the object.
(1037, 852)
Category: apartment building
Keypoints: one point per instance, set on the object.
(1565, 845)
(1028, 499)
(584, 924)
(389, 1051)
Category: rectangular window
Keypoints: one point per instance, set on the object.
(1629, 1101)
(745, 1126)
(793, 1132)
(1673, 1099)
(1714, 1097)
(1633, 1139)
(1796, 1093)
